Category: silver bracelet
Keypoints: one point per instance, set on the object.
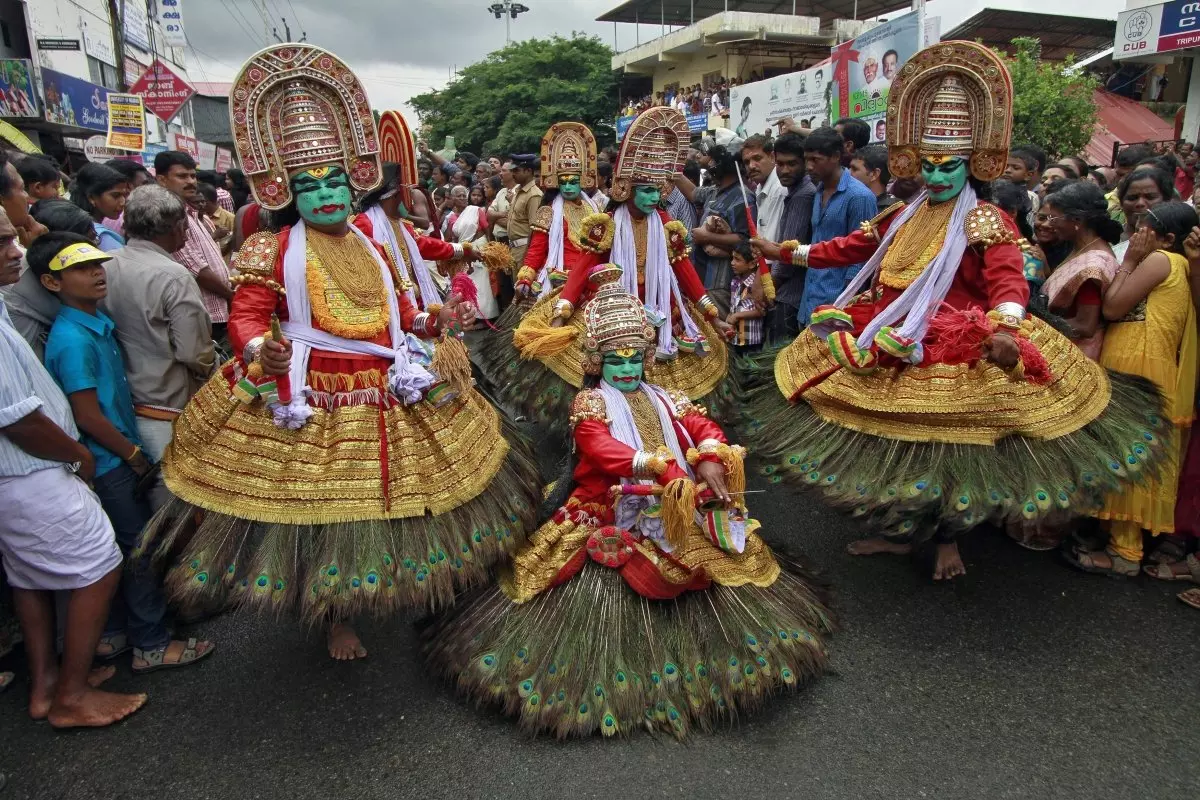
(252, 349)
(1011, 309)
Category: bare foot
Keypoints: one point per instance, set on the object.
(94, 709)
(948, 563)
(344, 644)
(41, 695)
(877, 545)
(99, 675)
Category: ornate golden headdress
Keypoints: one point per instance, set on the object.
(397, 144)
(951, 99)
(568, 148)
(653, 151)
(297, 106)
(615, 319)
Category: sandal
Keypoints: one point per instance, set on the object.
(1163, 572)
(1118, 568)
(1171, 549)
(1191, 597)
(6, 679)
(117, 644)
(155, 658)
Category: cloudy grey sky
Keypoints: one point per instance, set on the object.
(401, 48)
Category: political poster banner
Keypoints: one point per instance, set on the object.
(224, 160)
(17, 95)
(802, 96)
(74, 102)
(863, 69)
(126, 122)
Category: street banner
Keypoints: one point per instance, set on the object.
(17, 96)
(208, 155)
(70, 101)
(863, 69)
(169, 14)
(1158, 28)
(623, 124)
(224, 160)
(803, 96)
(152, 149)
(96, 150)
(126, 122)
(187, 144)
(164, 91)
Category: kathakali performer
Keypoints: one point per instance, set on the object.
(925, 398)
(341, 463)
(690, 355)
(648, 599)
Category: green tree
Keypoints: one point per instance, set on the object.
(505, 103)
(1053, 105)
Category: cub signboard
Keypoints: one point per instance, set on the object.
(1159, 28)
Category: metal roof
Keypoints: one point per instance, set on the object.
(1060, 35)
(687, 12)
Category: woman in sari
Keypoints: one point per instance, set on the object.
(1141, 190)
(1075, 289)
(471, 225)
(1153, 335)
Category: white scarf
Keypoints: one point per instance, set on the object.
(554, 255)
(661, 283)
(385, 234)
(407, 379)
(623, 428)
(924, 296)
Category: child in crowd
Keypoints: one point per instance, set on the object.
(747, 305)
(83, 358)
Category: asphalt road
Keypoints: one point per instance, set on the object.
(1024, 680)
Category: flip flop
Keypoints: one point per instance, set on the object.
(155, 658)
(1085, 560)
(1163, 572)
(119, 642)
(1191, 597)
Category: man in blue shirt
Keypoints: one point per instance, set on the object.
(842, 204)
(84, 358)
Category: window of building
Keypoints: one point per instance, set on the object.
(103, 74)
(4, 34)
(712, 78)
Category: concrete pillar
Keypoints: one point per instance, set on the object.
(1191, 116)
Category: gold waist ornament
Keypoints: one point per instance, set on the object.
(915, 245)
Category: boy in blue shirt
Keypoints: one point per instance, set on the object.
(83, 357)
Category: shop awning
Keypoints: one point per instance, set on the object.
(1123, 121)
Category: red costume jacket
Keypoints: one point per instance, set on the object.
(690, 284)
(574, 258)
(992, 269)
(259, 295)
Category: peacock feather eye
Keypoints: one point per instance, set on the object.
(387, 559)
(202, 577)
(477, 537)
(372, 578)
(262, 581)
(195, 563)
(280, 585)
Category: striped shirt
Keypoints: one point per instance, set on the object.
(741, 298)
(225, 199)
(680, 208)
(199, 253)
(25, 387)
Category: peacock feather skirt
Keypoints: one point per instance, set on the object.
(944, 448)
(368, 508)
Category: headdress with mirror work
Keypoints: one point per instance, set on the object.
(653, 151)
(951, 99)
(614, 319)
(568, 148)
(294, 107)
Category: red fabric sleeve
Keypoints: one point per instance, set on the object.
(609, 456)
(700, 427)
(539, 250)
(856, 248)
(1089, 294)
(408, 313)
(253, 304)
(431, 249)
(576, 282)
(1004, 270)
(364, 224)
(689, 282)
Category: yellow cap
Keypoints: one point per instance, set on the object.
(75, 254)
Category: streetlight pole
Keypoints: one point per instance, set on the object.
(510, 11)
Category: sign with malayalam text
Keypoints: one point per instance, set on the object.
(126, 122)
(863, 69)
(169, 14)
(74, 102)
(164, 92)
(17, 95)
(187, 144)
(1160, 28)
(224, 160)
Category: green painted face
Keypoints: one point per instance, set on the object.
(646, 198)
(946, 180)
(568, 187)
(322, 195)
(623, 369)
